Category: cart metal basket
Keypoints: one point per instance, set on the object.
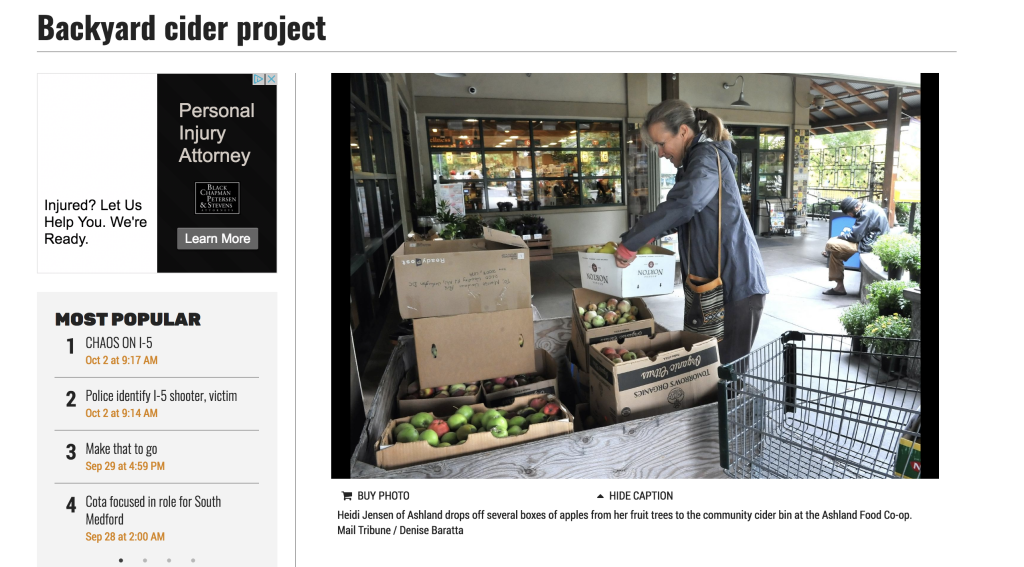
(810, 406)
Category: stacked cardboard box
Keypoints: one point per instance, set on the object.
(470, 305)
(679, 372)
(648, 274)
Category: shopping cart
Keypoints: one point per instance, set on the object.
(810, 406)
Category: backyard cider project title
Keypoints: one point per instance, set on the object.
(196, 29)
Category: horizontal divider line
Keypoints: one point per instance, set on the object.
(207, 430)
(156, 483)
(157, 377)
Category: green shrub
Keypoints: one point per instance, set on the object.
(878, 333)
(887, 296)
(896, 250)
(857, 317)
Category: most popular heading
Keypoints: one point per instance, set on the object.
(182, 30)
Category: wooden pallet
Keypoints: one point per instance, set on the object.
(540, 249)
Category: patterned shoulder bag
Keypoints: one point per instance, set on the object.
(705, 298)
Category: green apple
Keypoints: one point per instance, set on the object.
(466, 411)
(478, 420)
(439, 445)
(581, 311)
(645, 250)
(597, 321)
(496, 423)
(408, 436)
(456, 421)
(465, 431)
(515, 430)
(536, 418)
(500, 433)
(503, 413)
(404, 425)
(421, 419)
(517, 420)
(449, 437)
(488, 416)
(430, 436)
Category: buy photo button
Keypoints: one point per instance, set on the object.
(218, 238)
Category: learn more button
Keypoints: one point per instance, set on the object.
(218, 238)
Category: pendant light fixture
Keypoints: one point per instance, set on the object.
(739, 101)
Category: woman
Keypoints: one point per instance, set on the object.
(694, 140)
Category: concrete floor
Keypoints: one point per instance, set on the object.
(796, 271)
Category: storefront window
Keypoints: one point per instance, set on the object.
(604, 191)
(554, 134)
(453, 133)
(507, 165)
(558, 193)
(600, 135)
(603, 163)
(357, 157)
(555, 164)
(457, 165)
(509, 154)
(506, 134)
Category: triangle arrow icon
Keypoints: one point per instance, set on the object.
(600, 495)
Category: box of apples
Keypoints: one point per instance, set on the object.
(644, 376)
(413, 399)
(598, 318)
(426, 437)
(502, 390)
(652, 272)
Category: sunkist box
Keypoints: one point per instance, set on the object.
(452, 277)
(474, 346)
(582, 337)
(545, 366)
(649, 274)
(392, 455)
(683, 374)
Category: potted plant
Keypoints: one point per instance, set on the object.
(474, 227)
(913, 260)
(446, 217)
(425, 213)
(855, 320)
(893, 251)
(886, 337)
(887, 297)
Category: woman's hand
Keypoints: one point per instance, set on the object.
(623, 256)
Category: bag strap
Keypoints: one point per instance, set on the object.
(689, 240)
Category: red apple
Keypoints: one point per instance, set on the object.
(439, 426)
(538, 403)
(550, 409)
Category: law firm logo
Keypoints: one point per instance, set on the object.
(218, 198)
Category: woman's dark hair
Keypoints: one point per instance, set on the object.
(674, 113)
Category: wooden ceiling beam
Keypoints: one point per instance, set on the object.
(860, 97)
(835, 99)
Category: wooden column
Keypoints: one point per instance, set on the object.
(669, 86)
(892, 147)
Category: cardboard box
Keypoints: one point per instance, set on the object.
(582, 337)
(683, 374)
(444, 407)
(543, 365)
(649, 274)
(470, 347)
(392, 455)
(453, 277)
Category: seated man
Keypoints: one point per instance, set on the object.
(872, 222)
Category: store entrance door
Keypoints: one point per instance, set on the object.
(744, 145)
